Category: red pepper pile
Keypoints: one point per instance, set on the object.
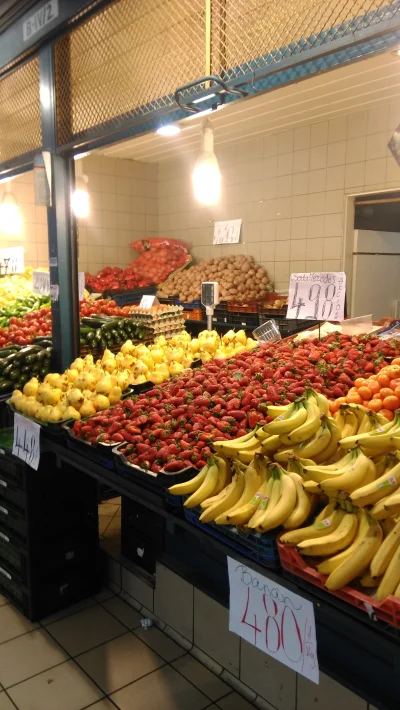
(173, 425)
(116, 279)
(23, 331)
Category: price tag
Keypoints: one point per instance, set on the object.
(11, 261)
(149, 302)
(317, 296)
(26, 440)
(273, 619)
(227, 232)
(54, 292)
(41, 283)
(81, 285)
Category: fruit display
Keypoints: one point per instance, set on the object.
(15, 286)
(19, 364)
(379, 393)
(20, 307)
(239, 278)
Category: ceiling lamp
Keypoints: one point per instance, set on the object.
(80, 197)
(169, 130)
(206, 176)
(10, 213)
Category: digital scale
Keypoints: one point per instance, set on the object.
(210, 299)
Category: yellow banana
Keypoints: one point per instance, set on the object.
(351, 424)
(318, 399)
(338, 540)
(362, 555)
(275, 410)
(224, 474)
(323, 473)
(369, 439)
(387, 526)
(251, 485)
(303, 506)
(206, 489)
(391, 579)
(397, 592)
(359, 410)
(214, 499)
(330, 564)
(270, 445)
(367, 581)
(184, 489)
(248, 456)
(268, 501)
(306, 430)
(385, 553)
(312, 487)
(377, 489)
(291, 419)
(340, 419)
(317, 443)
(327, 521)
(233, 493)
(353, 478)
(368, 423)
(274, 518)
(234, 442)
(233, 447)
(391, 505)
(333, 445)
(242, 515)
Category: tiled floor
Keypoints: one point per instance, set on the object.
(109, 519)
(97, 655)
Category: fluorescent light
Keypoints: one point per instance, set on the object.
(78, 156)
(10, 214)
(80, 203)
(171, 129)
(204, 113)
(206, 176)
(203, 98)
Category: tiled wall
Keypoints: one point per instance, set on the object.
(123, 208)
(203, 623)
(34, 222)
(290, 190)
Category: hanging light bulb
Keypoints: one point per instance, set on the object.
(206, 176)
(80, 201)
(10, 214)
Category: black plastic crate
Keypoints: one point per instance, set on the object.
(131, 297)
(288, 326)
(142, 534)
(244, 320)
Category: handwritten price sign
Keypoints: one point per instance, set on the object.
(26, 440)
(317, 296)
(273, 619)
(11, 261)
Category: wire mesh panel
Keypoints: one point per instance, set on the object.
(20, 125)
(127, 61)
(250, 35)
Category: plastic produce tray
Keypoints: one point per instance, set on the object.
(155, 485)
(127, 298)
(243, 307)
(189, 306)
(260, 548)
(387, 611)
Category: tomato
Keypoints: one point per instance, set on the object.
(365, 393)
(388, 414)
(354, 398)
(391, 402)
(383, 380)
(375, 405)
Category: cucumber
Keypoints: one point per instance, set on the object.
(15, 374)
(6, 385)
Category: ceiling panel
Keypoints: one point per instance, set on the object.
(356, 87)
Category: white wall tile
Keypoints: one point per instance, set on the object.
(317, 180)
(283, 228)
(284, 186)
(268, 231)
(378, 119)
(337, 129)
(270, 145)
(282, 250)
(300, 205)
(297, 249)
(316, 203)
(285, 164)
(375, 171)
(334, 201)
(319, 133)
(355, 175)
(392, 170)
(285, 142)
(314, 249)
(332, 248)
(318, 157)
(356, 149)
(333, 225)
(302, 137)
(335, 177)
(301, 160)
(336, 153)
(298, 228)
(357, 124)
(377, 145)
(331, 265)
(315, 227)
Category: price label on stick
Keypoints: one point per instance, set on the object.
(317, 296)
(41, 283)
(149, 302)
(26, 440)
(273, 619)
(11, 261)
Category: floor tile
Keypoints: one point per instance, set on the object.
(104, 521)
(160, 643)
(234, 701)
(124, 613)
(201, 677)
(28, 655)
(211, 632)
(108, 509)
(102, 705)
(5, 702)
(3, 600)
(119, 662)
(103, 595)
(328, 694)
(65, 687)
(69, 611)
(272, 680)
(13, 624)
(164, 689)
(84, 631)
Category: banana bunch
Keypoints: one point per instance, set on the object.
(375, 434)
(210, 481)
(353, 470)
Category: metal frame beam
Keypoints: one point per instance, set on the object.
(63, 249)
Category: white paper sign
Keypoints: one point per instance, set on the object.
(26, 440)
(54, 292)
(148, 302)
(81, 285)
(317, 296)
(227, 232)
(41, 282)
(11, 261)
(273, 619)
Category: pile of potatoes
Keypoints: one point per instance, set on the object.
(239, 279)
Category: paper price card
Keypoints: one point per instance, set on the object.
(273, 619)
(227, 232)
(148, 302)
(26, 440)
(11, 261)
(317, 296)
(41, 283)
(81, 285)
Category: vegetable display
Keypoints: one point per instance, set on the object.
(239, 278)
(19, 364)
(23, 331)
(99, 331)
(15, 286)
(20, 307)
